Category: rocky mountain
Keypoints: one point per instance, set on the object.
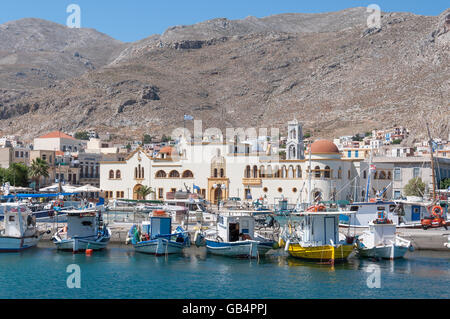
(37, 53)
(328, 70)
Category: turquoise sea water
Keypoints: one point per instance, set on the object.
(118, 272)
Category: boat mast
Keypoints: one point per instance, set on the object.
(309, 177)
(366, 199)
(430, 143)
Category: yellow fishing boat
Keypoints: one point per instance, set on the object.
(316, 237)
(321, 253)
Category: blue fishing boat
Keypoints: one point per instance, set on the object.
(235, 237)
(85, 230)
(154, 236)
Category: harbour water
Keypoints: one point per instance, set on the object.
(119, 272)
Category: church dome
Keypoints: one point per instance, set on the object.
(324, 146)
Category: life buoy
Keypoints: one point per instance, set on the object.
(317, 208)
(159, 213)
(437, 211)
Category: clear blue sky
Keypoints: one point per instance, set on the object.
(131, 20)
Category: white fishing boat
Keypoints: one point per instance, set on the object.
(20, 231)
(85, 230)
(381, 241)
(154, 236)
(235, 236)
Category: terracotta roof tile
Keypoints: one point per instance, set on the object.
(57, 134)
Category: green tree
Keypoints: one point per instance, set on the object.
(307, 135)
(39, 168)
(415, 187)
(147, 139)
(396, 142)
(445, 183)
(144, 191)
(165, 138)
(128, 147)
(16, 175)
(82, 135)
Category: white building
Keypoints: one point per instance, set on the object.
(237, 171)
(58, 141)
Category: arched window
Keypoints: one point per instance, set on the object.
(317, 172)
(161, 174)
(118, 174)
(283, 172)
(247, 171)
(174, 174)
(261, 172)
(111, 174)
(340, 173)
(375, 175)
(389, 176)
(299, 171)
(142, 172)
(382, 175)
(365, 174)
(215, 173)
(290, 172)
(188, 174)
(139, 171)
(269, 171)
(255, 171)
(276, 171)
(222, 172)
(327, 172)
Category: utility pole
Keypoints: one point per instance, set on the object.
(430, 142)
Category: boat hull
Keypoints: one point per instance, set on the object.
(12, 244)
(159, 247)
(385, 252)
(321, 253)
(239, 249)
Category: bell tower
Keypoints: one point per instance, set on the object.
(294, 143)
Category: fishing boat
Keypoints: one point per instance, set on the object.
(20, 231)
(85, 230)
(380, 241)
(154, 236)
(315, 236)
(235, 236)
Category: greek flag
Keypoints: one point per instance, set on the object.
(196, 187)
(188, 117)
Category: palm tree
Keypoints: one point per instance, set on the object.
(144, 191)
(38, 168)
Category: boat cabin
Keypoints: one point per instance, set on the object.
(365, 212)
(159, 223)
(235, 227)
(82, 224)
(19, 220)
(320, 228)
(382, 231)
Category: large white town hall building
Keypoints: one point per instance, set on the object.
(223, 169)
